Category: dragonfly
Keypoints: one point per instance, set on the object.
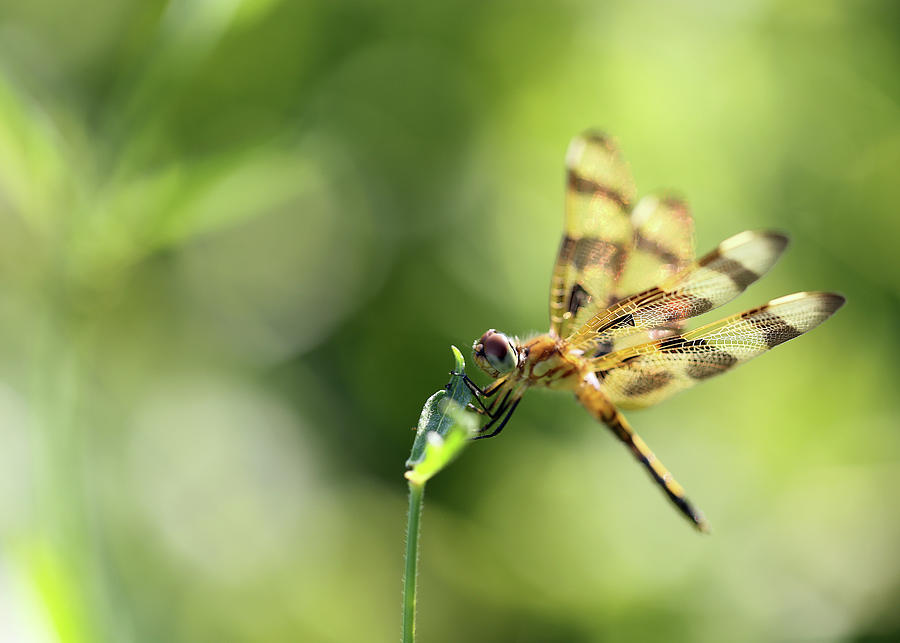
(624, 282)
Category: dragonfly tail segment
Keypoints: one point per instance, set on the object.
(601, 408)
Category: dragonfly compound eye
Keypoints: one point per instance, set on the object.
(495, 347)
(498, 351)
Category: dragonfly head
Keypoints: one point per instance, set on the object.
(495, 353)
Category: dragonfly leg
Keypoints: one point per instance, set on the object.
(481, 394)
(500, 426)
(499, 420)
(476, 390)
(480, 410)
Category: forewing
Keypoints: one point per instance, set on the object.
(644, 375)
(662, 246)
(712, 281)
(598, 233)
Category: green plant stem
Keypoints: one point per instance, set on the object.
(416, 495)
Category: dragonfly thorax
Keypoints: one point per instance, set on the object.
(495, 353)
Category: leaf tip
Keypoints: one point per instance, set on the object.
(458, 358)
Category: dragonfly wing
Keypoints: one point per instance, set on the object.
(663, 246)
(598, 232)
(643, 375)
(712, 281)
(663, 243)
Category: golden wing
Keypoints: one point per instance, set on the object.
(598, 232)
(643, 375)
(662, 246)
(710, 282)
(608, 250)
(663, 243)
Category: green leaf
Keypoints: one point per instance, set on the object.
(444, 427)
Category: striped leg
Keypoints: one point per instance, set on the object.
(602, 409)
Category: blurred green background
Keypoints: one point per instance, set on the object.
(238, 237)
